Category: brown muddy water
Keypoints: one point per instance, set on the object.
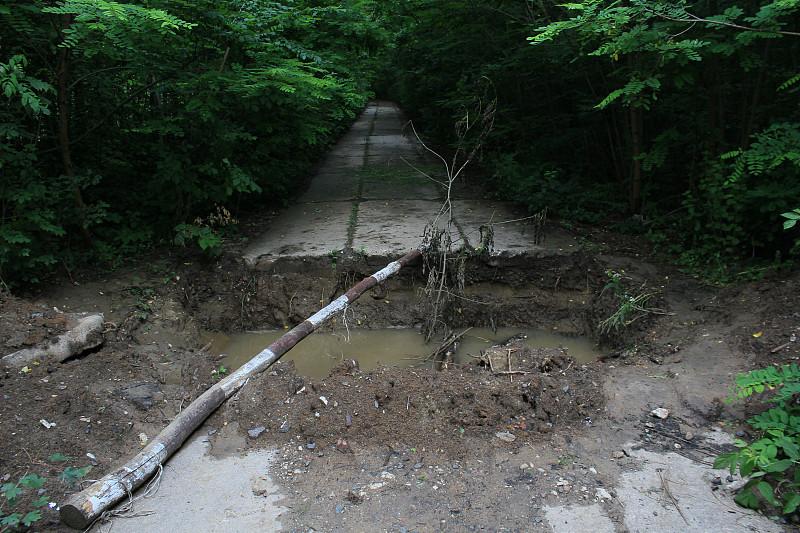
(315, 355)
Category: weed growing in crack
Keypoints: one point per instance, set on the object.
(217, 373)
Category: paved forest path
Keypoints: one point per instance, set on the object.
(369, 195)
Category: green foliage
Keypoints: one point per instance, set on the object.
(616, 94)
(632, 305)
(791, 218)
(11, 493)
(29, 214)
(735, 210)
(206, 232)
(771, 460)
(172, 108)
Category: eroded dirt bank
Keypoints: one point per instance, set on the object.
(416, 450)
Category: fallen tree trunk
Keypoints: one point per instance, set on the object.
(84, 333)
(86, 506)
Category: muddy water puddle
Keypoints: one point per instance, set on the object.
(315, 355)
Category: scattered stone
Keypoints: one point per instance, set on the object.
(341, 445)
(505, 436)
(354, 497)
(660, 413)
(141, 394)
(618, 455)
(285, 427)
(603, 494)
(255, 432)
(311, 445)
(339, 509)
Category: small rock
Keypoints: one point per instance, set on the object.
(505, 436)
(342, 446)
(311, 445)
(677, 446)
(603, 494)
(659, 413)
(618, 455)
(285, 427)
(339, 509)
(255, 432)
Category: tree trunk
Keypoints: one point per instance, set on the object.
(85, 507)
(636, 171)
(63, 130)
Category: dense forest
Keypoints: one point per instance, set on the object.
(126, 125)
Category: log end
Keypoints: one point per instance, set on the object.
(73, 516)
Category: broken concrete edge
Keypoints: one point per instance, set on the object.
(87, 334)
(83, 508)
(322, 265)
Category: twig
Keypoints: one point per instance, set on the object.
(672, 498)
(695, 19)
(781, 347)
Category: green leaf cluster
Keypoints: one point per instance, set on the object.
(771, 460)
(122, 121)
(610, 109)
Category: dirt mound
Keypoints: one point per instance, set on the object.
(544, 390)
(23, 324)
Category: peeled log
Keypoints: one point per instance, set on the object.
(86, 506)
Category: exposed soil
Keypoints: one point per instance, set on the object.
(469, 448)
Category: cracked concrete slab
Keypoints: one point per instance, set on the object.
(368, 173)
(302, 232)
(332, 187)
(198, 492)
(389, 229)
(578, 519)
(672, 494)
